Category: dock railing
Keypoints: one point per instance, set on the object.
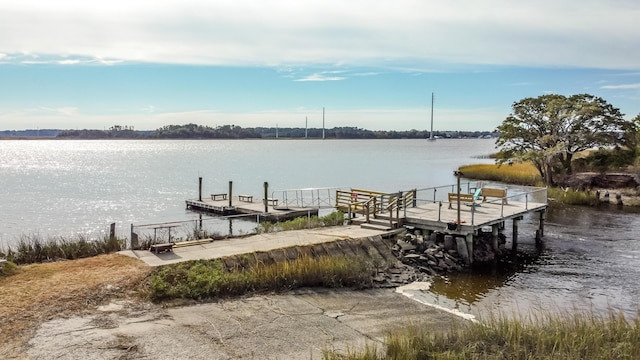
(439, 194)
(306, 198)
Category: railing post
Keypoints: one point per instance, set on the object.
(375, 206)
(526, 201)
(439, 209)
(434, 194)
(415, 197)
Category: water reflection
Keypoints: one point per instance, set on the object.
(590, 262)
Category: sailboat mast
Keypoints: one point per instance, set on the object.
(431, 133)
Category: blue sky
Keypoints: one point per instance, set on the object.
(81, 64)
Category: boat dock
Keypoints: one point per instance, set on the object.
(459, 212)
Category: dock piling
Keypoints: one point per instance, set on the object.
(266, 196)
(200, 188)
(230, 193)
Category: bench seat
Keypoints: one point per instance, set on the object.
(221, 196)
(246, 198)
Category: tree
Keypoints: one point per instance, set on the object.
(550, 129)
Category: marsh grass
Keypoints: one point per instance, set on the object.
(553, 336)
(210, 278)
(336, 218)
(34, 249)
(572, 197)
(516, 173)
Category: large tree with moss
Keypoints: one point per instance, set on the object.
(550, 129)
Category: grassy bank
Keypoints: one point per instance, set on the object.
(210, 278)
(575, 336)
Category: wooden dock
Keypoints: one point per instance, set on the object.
(235, 206)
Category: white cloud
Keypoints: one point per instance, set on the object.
(594, 34)
(66, 111)
(622, 87)
(320, 77)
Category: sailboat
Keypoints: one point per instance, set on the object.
(431, 138)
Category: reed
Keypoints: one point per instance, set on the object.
(35, 249)
(552, 336)
(210, 278)
(516, 173)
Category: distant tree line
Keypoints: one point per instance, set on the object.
(194, 131)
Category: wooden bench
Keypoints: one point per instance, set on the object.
(246, 198)
(158, 248)
(272, 201)
(221, 196)
(496, 193)
(466, 198)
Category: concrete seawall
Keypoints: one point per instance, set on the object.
(376, 248)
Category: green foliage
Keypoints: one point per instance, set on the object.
(607, 159)
(336, 218)
(570, 336)
(550, 129)
(34, 249)
(9, 268)
(210, 279)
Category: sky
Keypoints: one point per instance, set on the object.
(374, 64)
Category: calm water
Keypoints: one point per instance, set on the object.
(50, 188)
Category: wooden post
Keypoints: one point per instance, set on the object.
(541, 224)
(266, 196)
(230, 193)
(200, 188)
(112, 231)
(458, 174)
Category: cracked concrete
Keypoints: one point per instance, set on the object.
(296, 325)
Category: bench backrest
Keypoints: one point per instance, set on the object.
(496, 193)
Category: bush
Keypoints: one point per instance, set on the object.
(8, 269)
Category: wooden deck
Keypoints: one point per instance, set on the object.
(256, 207)
(438, 216)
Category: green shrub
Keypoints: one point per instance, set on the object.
(334, 219)
(8, 269)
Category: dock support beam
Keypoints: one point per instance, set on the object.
(494, 237)
(230, 193)
(514, 235)
(469, 241)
